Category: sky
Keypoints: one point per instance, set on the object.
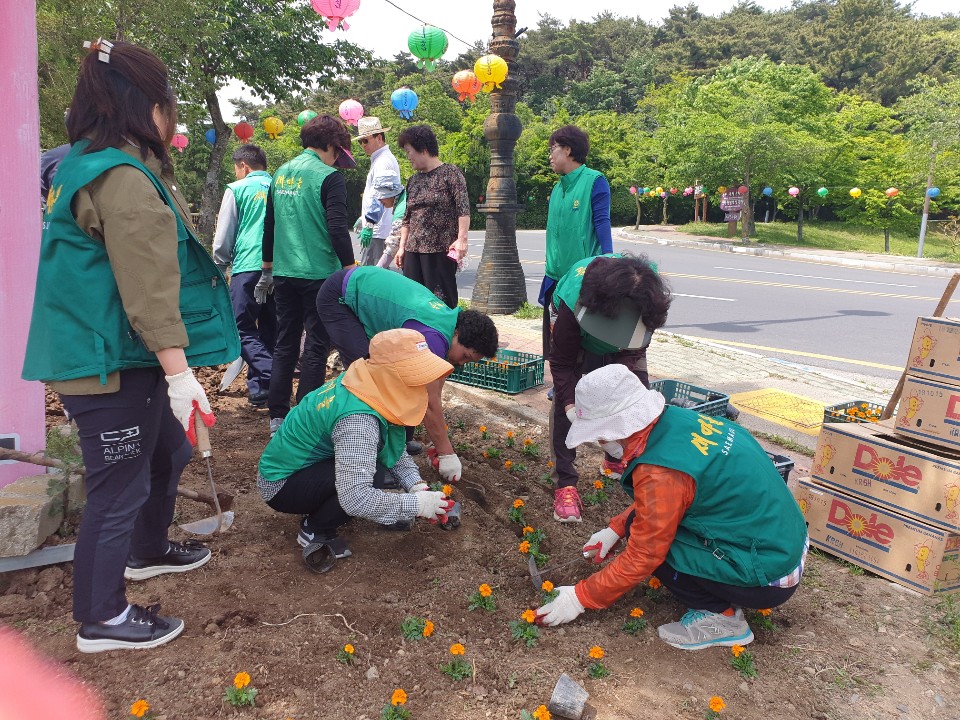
(383, 29)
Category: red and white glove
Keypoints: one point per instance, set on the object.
(186, 398)
(450, 468)
(600, 544)
(433, 505)
(562, 609)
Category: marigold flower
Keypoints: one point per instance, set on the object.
(509, 433)
(457, 649)
(348, 649)
(139, 708)
(596, 652)
(547, 586)
(427, 629)
(717, 704)
(483, 428)
(655, 583)
(598, 484)
(447, 490)
(525, 546)
(485, 590)
(765, 612)
(484, 453)
(636, 612)
(529, 615)
(508, 464)
(399, 697)
(737, 650)
(549, 463)
(541, 713)
(518, 503)
(608, 472)
(241, 680)
(527, 530)
(527, 441)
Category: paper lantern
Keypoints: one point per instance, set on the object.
(743, 190)
(768, 191)
(646, 190)
(273, 126)
(687, 191)
(652, 193)
(305, 116)
(467, 84)
(855, 192)
(491, 70)
(823, 192)
(663, 194)
(211, 136)
(633, 189)
(180, 141)
(336, 11)
(404, 101)
(243, 130)
(722, 189)
(794, 191)
(351, 111)
(892, 192)
(659, 190)
(673, 191)
(427, 45)
(933, 192)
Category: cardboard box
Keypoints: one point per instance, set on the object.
(935, 350)
(918, 556)
(929, 411)
(867, 461)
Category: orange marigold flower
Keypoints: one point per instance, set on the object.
(527, 441)
(483, 428)
(139, 708)
(508, 464)
(598, 484)
(549, 463)
(737, 650)
(597, 653)
(655, 583)
(485, 590)
(399, 697)
(529, 615)
(541, 713)
(518, 503)
(447, 490)
(457, 649)
(717, 704)
(525, 546)
(765, 612)
(484, 453)
(241, 680)
(348, 649)
(509, 433)
(527, 529)
(636, 612)
(547, 586)
(427, 629)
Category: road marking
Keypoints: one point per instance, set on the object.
(787, 409)
(704, 297)
(784, 351)
(812, 277)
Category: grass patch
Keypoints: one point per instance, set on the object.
(947, 624)
(785, 443)
(463, 304)
(529, 312)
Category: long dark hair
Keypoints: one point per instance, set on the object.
(114, 101)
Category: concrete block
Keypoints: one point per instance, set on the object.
(29, 514)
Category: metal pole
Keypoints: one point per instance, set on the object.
(926, 200)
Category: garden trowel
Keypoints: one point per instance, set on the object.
(232, 373)
(536, 574)
(222, 520)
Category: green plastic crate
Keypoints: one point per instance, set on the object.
(782, 463)
(707, 402)
(838, 413)
(509, 372)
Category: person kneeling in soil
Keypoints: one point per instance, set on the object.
(711, 517)
(331, 453)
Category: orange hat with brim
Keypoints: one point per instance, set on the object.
(393, 380)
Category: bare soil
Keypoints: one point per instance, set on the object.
(848, 645)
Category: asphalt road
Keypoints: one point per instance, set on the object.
(824, 316)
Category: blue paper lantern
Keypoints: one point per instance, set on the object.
(211, 136)
(933, 192)
(404, 101)
(768, 191)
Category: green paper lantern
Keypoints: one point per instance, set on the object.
(306, 116)
(823, 192)
(427, 45)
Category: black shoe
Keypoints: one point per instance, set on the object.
(180, 557)
(414, 447)
(142, 629)
(307, 537)
(258, 399)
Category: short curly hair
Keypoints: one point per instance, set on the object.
(324, 131)
(421, 138)
(608, 281)
(572, 137)
(477, 332)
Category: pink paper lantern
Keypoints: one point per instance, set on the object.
(663, 194)
(687, 191)
(180, 141)
(633, 189)
(892, 192)
(351, 111)
(673, 191)
(336, 11)
(794, 191)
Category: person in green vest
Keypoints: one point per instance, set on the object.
(306, 238)
(344, 442)
(238, 243)
(127, 301)
(711, 518)
(604, 310)
(357, 303)
(578, 215)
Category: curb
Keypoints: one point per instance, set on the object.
(478, 397)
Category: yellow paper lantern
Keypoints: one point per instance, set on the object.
(491, 70)
(273, 126)
(722, 189)
(659, 190)
(855, 192)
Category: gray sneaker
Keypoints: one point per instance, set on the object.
(275, 424)
(700, 629)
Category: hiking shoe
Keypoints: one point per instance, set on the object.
(414, 448)
(700, 629)
(613, 469)
(258, 399)
(142, 629)
(566, 504)
(275, 424)
(180, 557)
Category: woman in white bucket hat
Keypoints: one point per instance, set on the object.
(711, 517)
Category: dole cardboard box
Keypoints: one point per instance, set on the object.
(929, 411)
(918, 556)
(866, 461)
(935, 350)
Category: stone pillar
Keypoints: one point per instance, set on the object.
(501, 287)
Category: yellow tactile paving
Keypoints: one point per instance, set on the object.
(793, 411)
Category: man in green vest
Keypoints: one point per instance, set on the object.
(711, 517)
(238, 243)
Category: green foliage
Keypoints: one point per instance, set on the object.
(529, 312)
(413, 628)
(457, 669)
(522, 631)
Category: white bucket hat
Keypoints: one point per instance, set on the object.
(612, 404)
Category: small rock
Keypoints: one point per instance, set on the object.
(818, 715)
(391, 598)
(479, 690)
(790, 706)
(211, 629)
(809, 670)
(373, 673)
(429, 559)
(49, 579)
(938, 699)
(488, 641)
(181, 674)
(744, 686)
(688, 686)
(401, 651)
(867, 609)
(903, 708)
(881, 629)
(855, 642)
(854, 698)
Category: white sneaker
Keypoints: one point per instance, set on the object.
(699, 629)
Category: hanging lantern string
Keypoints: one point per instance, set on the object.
(390, 2)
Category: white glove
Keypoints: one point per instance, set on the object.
(419, 487)
(186, 396)
(600, 544)
(450, 468)
(264, 286)
(572, 414)
(564, 608)
(432, 505)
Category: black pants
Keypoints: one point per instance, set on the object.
(296, 300)
(257, 325)
(343, 327)
(436, 272)
(134, 450)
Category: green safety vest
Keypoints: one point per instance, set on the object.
(384, 300)
(570, 233)
(400, 209)
(301, 245)
(568, 292)
(250, 195)
(79, 327)
(304, 437)
(744, 528)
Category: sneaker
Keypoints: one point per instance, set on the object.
(699, 629)
(275, 424)
(613, 469)
(142, 629)
(550, 394)
(566, 504)
(305, 539)
(258, 399)
(414, 448)
(180, 557)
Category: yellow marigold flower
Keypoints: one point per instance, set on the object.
(139, 708)
(547, 586)
(541, 713)
(549, 463)
(596, 652)
(717, 704)
(765, 612)
(598, 484)
(527, 441)
(527, 530)
(348, 649)
(427, 629)
(399, 697)
(525, 546)
(509, 433)
(518, 503)
(241, 680)
(529, 615)
(447, 490)
(485, 590)
(457, 649)
(636, 612)
(483, 428)
(655, 583)
(508, 464)
(737, 650)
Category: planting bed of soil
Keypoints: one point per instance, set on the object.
(848, 645)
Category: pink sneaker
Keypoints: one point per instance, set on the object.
(566, 504)
(613, 469)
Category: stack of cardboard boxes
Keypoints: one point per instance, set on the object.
(886, 496)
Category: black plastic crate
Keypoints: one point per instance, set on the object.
(782, 463)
